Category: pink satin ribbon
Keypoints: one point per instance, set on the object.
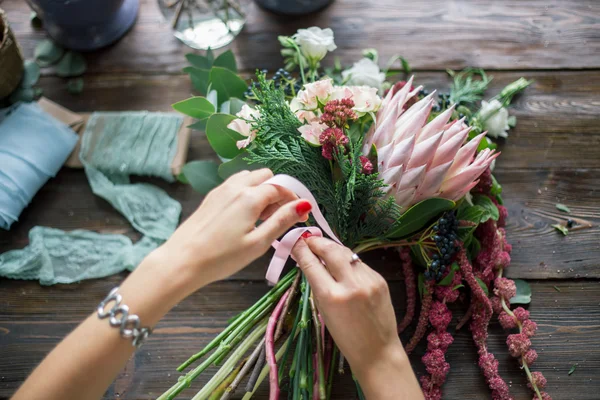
(283, 248)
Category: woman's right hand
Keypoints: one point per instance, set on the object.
(355, 304)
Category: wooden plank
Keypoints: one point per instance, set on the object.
(549, 34)
(33, 319)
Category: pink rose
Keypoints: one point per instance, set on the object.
(242, 125)
(315, 93)
(303, 115)
(311, 132)
(365, 98)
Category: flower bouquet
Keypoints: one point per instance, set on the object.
(390, 166)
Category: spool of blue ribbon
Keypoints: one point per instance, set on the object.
(33, 147)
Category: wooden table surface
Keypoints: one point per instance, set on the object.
(552, 156)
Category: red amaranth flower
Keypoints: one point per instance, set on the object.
(411, 289)
(530, 357)
(507, 321)
(518, 344)
(521, 314)
(423, 317)
(367, 165)
(430, 391)
(503, 260)
(504, 287)
(436, 365)
(489, 365)
(337, 113)
(439, 340)
(499, 388)
(332, 139)
(539, 380)
(485, 182)
(529, 327)
(496, 304)
(545, 396)
(439, 316)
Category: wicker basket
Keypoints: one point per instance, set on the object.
(11, 60)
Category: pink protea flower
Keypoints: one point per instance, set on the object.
(530, 357)
(419, 160)
(518, 344)
(504, 287)
(529, 327)
(539, 380)
(507, 321)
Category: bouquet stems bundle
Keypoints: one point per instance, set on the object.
(391, 166)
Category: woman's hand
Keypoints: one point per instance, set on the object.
(355, 303)
(221, 237)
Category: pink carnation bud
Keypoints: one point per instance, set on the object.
(529, 327)
(439, 315)
(518, 344)
(507, 321)
(530, 357)
(496, 304)
(521, 314)
(504, 287)
(439, 340)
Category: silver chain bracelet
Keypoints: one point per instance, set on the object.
(129, 325)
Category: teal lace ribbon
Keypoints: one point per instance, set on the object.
(114, 146)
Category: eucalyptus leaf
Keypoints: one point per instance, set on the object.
(483, 286)
(226, 60)
(47, 53)
(235, 165)
(72, 64)
(199, 61)
(491, 211)
(563, 208)
(562, 229)
(196, 107)
(235, 105)
(227, 84)
(199, 125)
(416, 217)
(447, 279)
(31, 74)
(75, 85)
(202, 175)
(199, 78)
(222, 139)
(181, 178)
(523, 295)
(212, 96)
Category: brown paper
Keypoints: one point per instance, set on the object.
(77, 122)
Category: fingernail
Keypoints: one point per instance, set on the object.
(306, 235)
(303, 207)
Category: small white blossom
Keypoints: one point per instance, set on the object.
(365, 98)
(315, 42)
(495, 118)
(365, 72)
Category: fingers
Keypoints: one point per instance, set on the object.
(279, 223)
(316, 273)
(250, 178)
(269, 198)
(336, 257)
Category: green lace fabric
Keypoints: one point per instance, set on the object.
(114, 146)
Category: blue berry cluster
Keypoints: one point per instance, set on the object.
(281, 78)
(445, 237)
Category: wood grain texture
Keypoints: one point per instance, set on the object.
(30, 326)
(437, 34)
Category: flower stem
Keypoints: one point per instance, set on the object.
(319, 350)
(270, 347)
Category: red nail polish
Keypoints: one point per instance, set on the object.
(303, 207)
(306, 235)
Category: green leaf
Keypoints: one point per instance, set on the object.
(572, 369)
(72, 64)
(417, 256)
(563, 208)
(491, 211)
(222, 139)
(416, 217)
(523, 295)
(75, 85)
(199, 78)
(474, 247)
(199, 125)
(561, 229)
(210, 55)
(471, 214)
(31, 74)
(181, 178)
(447, 279)
(199, 61)
(226, 60)
(458, 286)
(202, 175)
(227, 84)
(483, 286)
(235, 165)
(421, 284)
(557, 288)
(47, 53)
(196, 107)
(235, 105)
(405, 65)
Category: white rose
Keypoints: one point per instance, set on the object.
(315, 42)
(313, 94)
(242, 125)
(364, 72)
(312, 132)
(495, 118)
(365, 98)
